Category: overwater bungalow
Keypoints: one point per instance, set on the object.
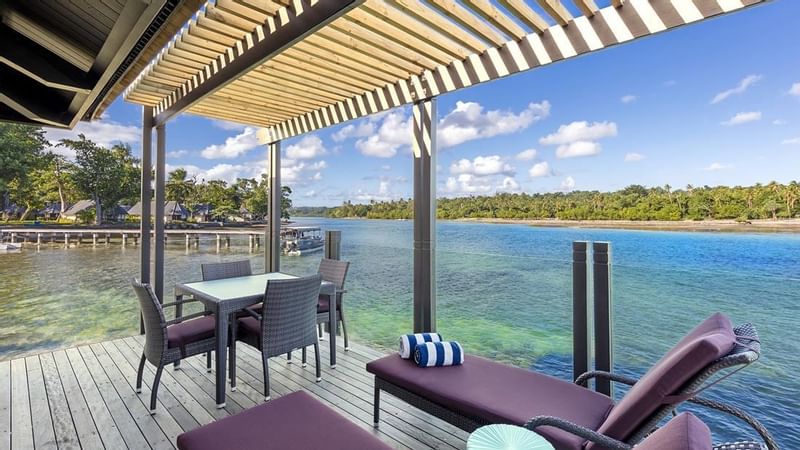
(173, 211)
(242, 377)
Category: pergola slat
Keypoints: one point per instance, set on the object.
(556, 10)
(496, 17)
(469, 21)
(425, 14)
(587, 7)
(524, 13)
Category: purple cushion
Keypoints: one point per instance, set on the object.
(684, 432)
(190, 331)
(498, 393)
(296, 420)
(709, 341)
(324, 304)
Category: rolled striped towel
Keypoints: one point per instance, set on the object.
(409, 341)
(436, 354)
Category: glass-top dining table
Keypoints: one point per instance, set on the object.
(226, 296)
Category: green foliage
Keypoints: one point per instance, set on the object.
(635, 202)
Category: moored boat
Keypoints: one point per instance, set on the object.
(9, 247)
(297, 241)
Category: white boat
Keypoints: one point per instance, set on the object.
(9, 247)
(297, 241)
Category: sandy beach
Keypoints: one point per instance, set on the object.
(753, 226)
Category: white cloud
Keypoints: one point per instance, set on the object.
(714, 167)
(540, 170)
(468, 122)
(795, 90)
(628, 98)
(527, 155)
(482, 166)
(578, 149)
(309, 147)
(792, 141)
(363, 128)
(567, 184)
(310, 193)
(779, 122)
(177, 153)
(394, 132)
(468, 184)
(104, 132)
(509, 184)
(742, 117)
(233, 147)
(633, 157)
(670, 83)
(386, 167)
(745, 83)
(227, 125)
(580, 131)
(384, 193)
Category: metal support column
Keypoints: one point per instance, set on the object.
(158, 269)
(424, 153)
(272, 238)
(146, 193)
(603, 319)
(581, 341)
(333, 244)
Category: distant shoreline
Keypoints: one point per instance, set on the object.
(754, 226)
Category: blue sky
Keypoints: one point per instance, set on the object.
(717, 103)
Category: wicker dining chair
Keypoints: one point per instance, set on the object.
(287, 323)
(334, 271)
(218, 271)
(169, 341)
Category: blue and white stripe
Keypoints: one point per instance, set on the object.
(438, 354)
(409, 342)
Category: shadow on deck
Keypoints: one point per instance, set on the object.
(84, 398)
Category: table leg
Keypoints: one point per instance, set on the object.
(222, 354)
(332, 328)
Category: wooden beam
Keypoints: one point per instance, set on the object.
(617, 3)
(524, 13)
(588, 7)
(497, 18)
(434, 20)
(67, 49)
(466, 19)
(40, 64)
(497, 62)
(295, 22)
(556, 10)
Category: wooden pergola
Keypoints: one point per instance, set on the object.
(295, 66)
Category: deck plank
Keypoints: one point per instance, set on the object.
(5, 404)
(21, 425)
(116, 407)
(85, 396)
(88, 436)
(110, 434)
(44, 436)
(63, 426)
(147, 423)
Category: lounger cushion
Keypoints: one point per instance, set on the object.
(249, 326)
(498, 393)
(684, 432)
(709, 341)
(294, 421)
(190, 331)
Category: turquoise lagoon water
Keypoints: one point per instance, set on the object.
(504, 291)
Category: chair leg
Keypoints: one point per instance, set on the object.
(317, 362)
(265, 362)
(304, 357)
(176, 365)
(232, 365)
(289, 358)
(208, 362)
(321, 333)
(153, 394)
(376, 405)
(139, 374)
(344, 329)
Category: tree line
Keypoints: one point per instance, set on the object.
(635, 202)
(33, 176)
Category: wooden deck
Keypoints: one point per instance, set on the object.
(84, 398)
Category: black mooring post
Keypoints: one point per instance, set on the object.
(333, 244)
(581, 341)
(603, 318)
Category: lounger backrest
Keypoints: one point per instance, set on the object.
(708, 342)
(684, 432)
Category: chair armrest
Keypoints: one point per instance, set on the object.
(190, 316)
(739, 414)
(179, 302)
(584, 378)
(252, 313)
(577, 430)
(739, 445)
